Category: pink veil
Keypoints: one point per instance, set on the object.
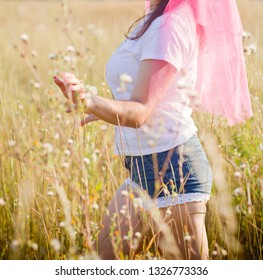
(222, 81)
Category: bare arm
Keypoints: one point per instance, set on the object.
(153, 79)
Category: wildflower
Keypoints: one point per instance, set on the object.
(67, 152)
(125, 193)
(24, 37)
(58, 116)
(138, 234)
(95, 206)
(261, 146)
(214, 253)
(56, 136)
(123, 212)
(250, 49)
(125, 78)
(62, 224)
(86, 160)
(48, 147)
(11, 143)
(55, 244)
(103, 127)
(91, 89)
(50, 193)
(71, 49)
(187, 237)
(151, 143)
(70, 141)
(33, 245)
(246, 35)
(2, 202)
(238, 174)
(15, 244)
(65, 164)
(67, 58)
(52, 56)
(223, 252)
(238, 191)
(34, 53)
(37, 85)
(168, 212)
(137, 202)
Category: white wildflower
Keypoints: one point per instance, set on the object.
(95, 206)
(52, 56)
(24, 37)
(125, 78)
(56, 136)
(67, 58)
(261, 146)
(224, 252)
(168, 212)
(62, 224)
(70, 141)
(33, 245)
(246, 35)
(34, 53)
(15, 244)
(125, 193)
(65, 164)
(187, 238)
(91, 89)
(37, 85)
(151, 143)
(138, 234)
(55, 244)
(11, 143)
(123, 212)
(237, 174)
(48, 147)
(137, 202)
(58, 116)
(2, 202)
(86, 160)
(71, 49)
(238, 191)
(67, 152)
(50, 193)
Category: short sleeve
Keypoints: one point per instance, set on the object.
(166, 40)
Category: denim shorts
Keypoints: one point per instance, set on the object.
(182, 170)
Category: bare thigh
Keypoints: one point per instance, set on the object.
(122, 227)
(187, 224)
(178, 231)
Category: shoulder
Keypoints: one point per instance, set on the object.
(178, 22)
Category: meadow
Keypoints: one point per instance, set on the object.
(57, 178)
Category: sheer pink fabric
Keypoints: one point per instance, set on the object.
(222, 81)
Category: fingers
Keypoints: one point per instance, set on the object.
(88, 119)
(69, 85)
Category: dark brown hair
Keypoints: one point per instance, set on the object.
(157, 12)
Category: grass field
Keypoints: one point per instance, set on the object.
(57, 178)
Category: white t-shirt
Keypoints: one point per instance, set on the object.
(170, 124)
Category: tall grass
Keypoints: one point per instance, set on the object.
(56, 179)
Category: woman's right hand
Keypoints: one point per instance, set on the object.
(88, 119)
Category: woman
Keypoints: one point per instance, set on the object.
(181, 55)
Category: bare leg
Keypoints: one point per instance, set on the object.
(187, 222)
(117, 237)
